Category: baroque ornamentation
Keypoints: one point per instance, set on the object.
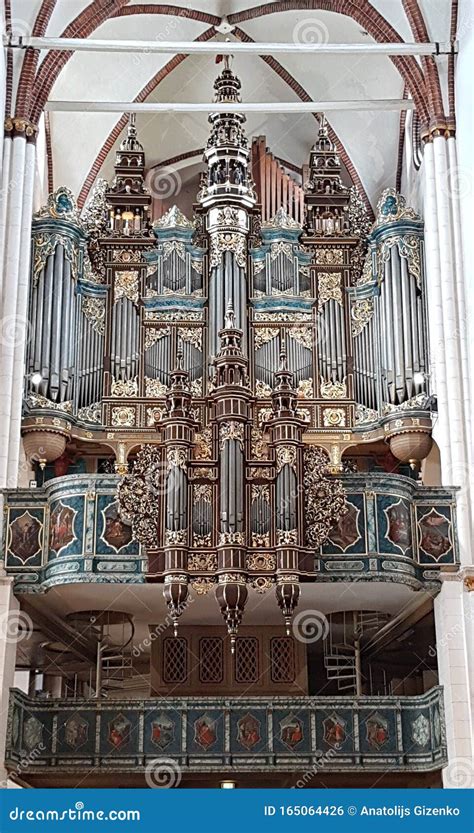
(281, 248)
(176, 537)
(363, 415)
(155, 387)
(334, 417)
(264, 335)
(45, 245)
(203, 586)
(409, 248)
(262, 390)
(303, 335)
(361, 313)
(126, 285)
(329, 257)
(36, 400)
(139, 495)
(202, 562)
(231, 431)
(124, 388)
(173, 218)
(392, 206)
(176, 457)
(236, 538)
(192, 335)
(325, 499)
(262, 583)
(305, 389)
(94, 311)
(329, 288)
(123, 417)
(285, 456)
(153, 334)
(259, 445)
(91, 413)
(258, 562)
(286, 537)
(333, 390)
(228, 242)
(281, 220)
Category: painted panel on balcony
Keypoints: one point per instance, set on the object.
(380, 733)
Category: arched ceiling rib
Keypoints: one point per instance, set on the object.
(370, 139)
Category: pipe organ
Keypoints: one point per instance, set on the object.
(246, 351)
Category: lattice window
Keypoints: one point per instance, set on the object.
(211, 659)
(175, 660)
(246, 660)
(282, 658)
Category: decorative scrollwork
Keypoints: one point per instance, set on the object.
(192, 335)
(361, 313)
(231, 431)
(265, 334)
(235, 538)
(286, 537)
(333, 390)
(202, 586)
(126, 285)
(94, 311)
(176, 457)
(228, 242)
(45, 245)
(329, 257)
(303, 335)
(202, 562)
(325, 499)
(36, 400)
(305, 389)
(123, 417)
(139, 495)
(329, 288)
(153, 334)
(155, 387)
(258, 562)
(124, 388)
(285, 456)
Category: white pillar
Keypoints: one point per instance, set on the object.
(10, 324)
(452, 430)
(9, 620)
(23, 328)
(454, 618)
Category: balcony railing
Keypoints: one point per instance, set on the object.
(236, 734)
(70, 531)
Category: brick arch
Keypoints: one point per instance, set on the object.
(167, 69)
(83, 26)
(305, 96)
(30, 61)
(122, 122)
(420, 33)
(367, 16)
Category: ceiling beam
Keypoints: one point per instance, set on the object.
(240, 107)
(226, 47)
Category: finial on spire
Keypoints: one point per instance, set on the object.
(283, 356)
(179, 355)
(323, 125)
(132, 124)
(229, 322)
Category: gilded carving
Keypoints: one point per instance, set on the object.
(228, 242)
(176, 457)
(305, 389)
(231, 431)
(329, 257)
(303, 335)
(256, 562)
(262, 583)
(325, 499)
(36, 400)
(193, 335)
(361, 313)
(123, 417)
(262, 390)
(202, 491)
(287, 537)
(236, 538)
(126, 285)
(264, 335)
(170, 246)
(329, 288)
(176, 538)
(124, 388)
(202, 562)
(94, 311)
(334, 417)
(203, 444)
(153, 334)
(202, 586)
(154, 387)
(259, 445)
(281, 248)
(333, 390)
(285, 456)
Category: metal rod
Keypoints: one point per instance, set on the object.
(61, 106)
(227, 47)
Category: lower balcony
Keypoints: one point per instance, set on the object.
(64, 743)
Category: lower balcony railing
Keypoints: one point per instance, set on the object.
(238, 734)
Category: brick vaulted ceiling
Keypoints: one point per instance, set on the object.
(82, 144)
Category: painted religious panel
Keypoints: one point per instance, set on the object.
(61, 527)
(377, 731)
(348, 535)
(398, 528)
(205, 731)
(25, 538)
(434, 536)
(114, 536)
(162, 731)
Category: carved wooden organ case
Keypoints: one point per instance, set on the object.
(244, 358)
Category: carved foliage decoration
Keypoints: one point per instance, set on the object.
(329, 287)
(139, 495)
(325, 499)
(126, 285)
(94, 311)
(228, 242)
(361, 313)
